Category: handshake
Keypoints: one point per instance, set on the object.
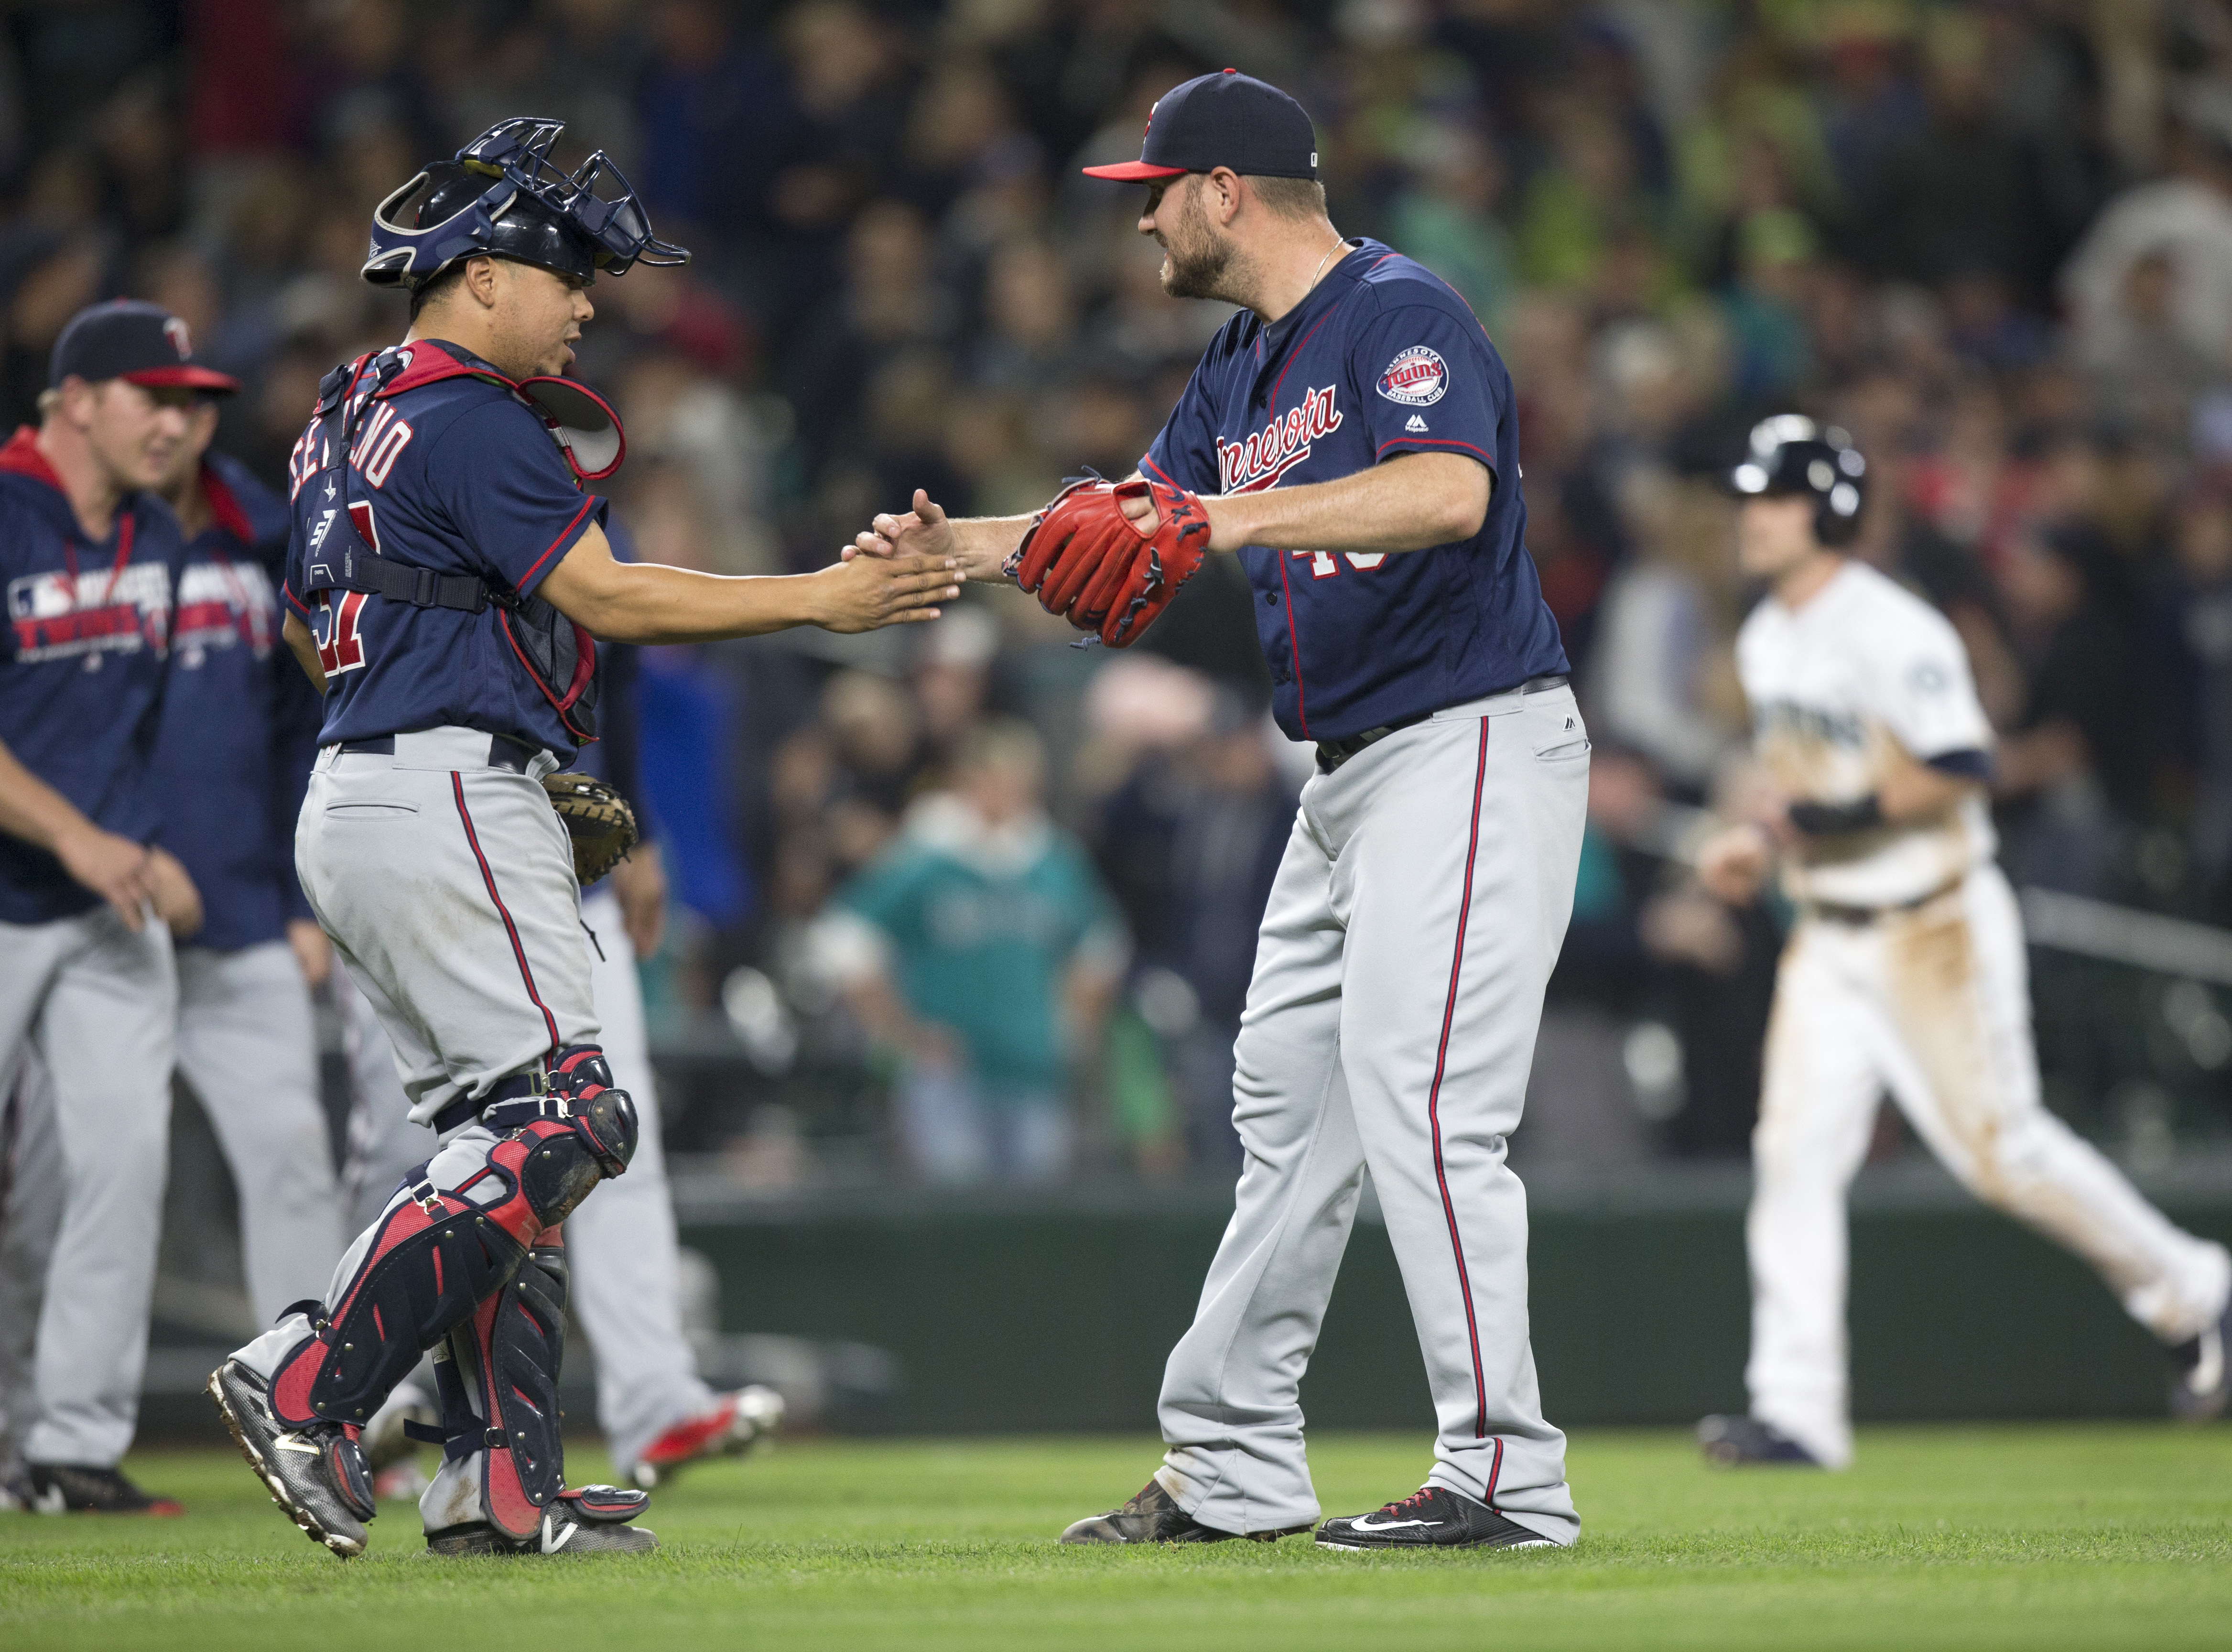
(1108, 556)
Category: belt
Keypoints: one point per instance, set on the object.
(502, 753)
(1830, 912)
(1332, 753)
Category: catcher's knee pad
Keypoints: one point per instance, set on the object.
(499, 1386)
(432, 1256)
(572, 1131)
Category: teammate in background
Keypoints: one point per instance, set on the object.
(1905, 970)
(238, 735)
(456, 574)
(237, 732)
(88, 554)
(1354, 432)
(658, 1414)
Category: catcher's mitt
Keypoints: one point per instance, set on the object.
(597, 819)
(1104, 573)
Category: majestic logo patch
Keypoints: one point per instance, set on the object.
(1258, 461)
(1418, 378)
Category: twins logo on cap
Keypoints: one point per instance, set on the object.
(1418, 378)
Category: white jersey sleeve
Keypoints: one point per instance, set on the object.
(1920, 686)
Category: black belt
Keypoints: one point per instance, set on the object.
(1332, 753)
(502, 753)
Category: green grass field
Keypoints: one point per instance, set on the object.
(2091, 1536)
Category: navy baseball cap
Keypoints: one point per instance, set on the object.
(130, 340)
(1229, 119)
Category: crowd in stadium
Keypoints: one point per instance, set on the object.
(1993, 241)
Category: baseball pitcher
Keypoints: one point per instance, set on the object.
(448, 574)
(1350, 436)
(1905, 970)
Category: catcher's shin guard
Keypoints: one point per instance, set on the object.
(435, 1255)
(500, 1392)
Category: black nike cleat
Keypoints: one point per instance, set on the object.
(2200, 1377)
(317, 1475)
(1738, 1442)
(590, 1520)
(1153, 1516)
(1433, 1517)
(76, 1488)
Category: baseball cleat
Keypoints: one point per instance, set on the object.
(1735, 1442)
(75, 1488)
(736, 1422)
(590, 1520)
(1433, 1517)
(14, 1486)
(317, 1475)
(2200, 1379)
(1153, 1516)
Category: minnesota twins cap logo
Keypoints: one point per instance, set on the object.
(1417, 378)
(181, 339)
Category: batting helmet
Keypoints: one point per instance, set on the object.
(503, 196)
(1791, 454)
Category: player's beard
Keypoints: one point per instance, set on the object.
(1197, 263)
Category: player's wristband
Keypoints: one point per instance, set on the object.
(1831, 820)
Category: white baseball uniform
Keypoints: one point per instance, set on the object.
(1905, 971)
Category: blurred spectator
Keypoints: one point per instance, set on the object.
(979, 951)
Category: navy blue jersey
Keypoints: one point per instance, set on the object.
(81, 671)
(461, 478)
(239, 728)
(1381, 358)
(617, 758)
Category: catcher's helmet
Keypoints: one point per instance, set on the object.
(1791, 454)
(503, 196)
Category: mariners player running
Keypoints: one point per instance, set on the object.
(1905, 970)
(89, 554)
(1353, 431)
(456, 573)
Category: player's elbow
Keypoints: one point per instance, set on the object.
(1455, 498)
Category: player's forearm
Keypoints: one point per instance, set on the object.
(1411, 503)
(33, 811)
(1916, 792)
(983, 543)
(649, 602)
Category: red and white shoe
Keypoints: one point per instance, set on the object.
(736, 1423)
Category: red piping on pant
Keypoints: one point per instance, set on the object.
(1434, 1115)
(518, 952)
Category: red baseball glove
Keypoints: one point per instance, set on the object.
(1103, 572)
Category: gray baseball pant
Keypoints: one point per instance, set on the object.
(95, 1003)
(1391, 1026)
(447, 886)
(246, 1042)
(620, 1245)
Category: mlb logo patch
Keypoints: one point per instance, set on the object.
(1418, 378)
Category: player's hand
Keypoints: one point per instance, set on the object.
(867, 592)
(639, 885)
(115, 868)
(926, 532)
(178, 903)
(314, 951)
(1734, 863)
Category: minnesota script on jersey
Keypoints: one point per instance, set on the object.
(460, 476)
(1381, 358)
(1838, 689)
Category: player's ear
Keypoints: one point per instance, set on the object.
(484, 279)
(1223, 189)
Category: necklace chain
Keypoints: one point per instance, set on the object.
(1339, 243)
